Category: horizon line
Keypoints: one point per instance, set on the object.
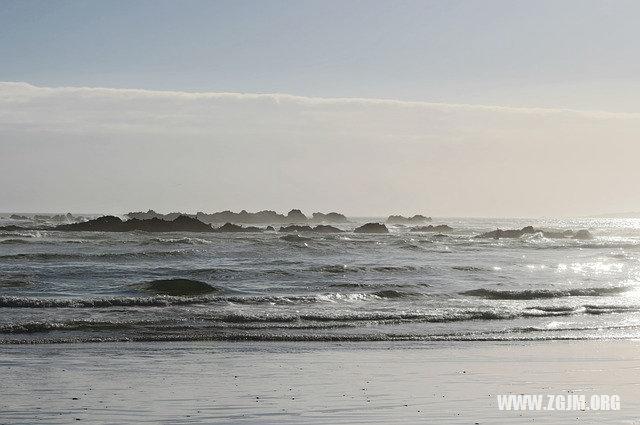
(319, 100)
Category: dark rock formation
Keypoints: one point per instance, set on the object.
(499, 233)
(152, 214)
(177, 287)
(318, 229)
(331, 217)
(416, 219)
(295, 228)
(583, 234)
(114, 224)
(68, 217)
(270, 229)
(326, 229)
(18, 217)
(241, 217)
(107, 223)
(372, 228)
(234, 228)
(296, 216)
(431, 228)
(528, 230)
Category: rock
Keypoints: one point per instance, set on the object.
(295, 228)
(270, 229)
(185, 223)
(234, 228)
(243, 216)
(431, 228)
(296, 216)
(499, 233)
(331, 217)
(583, 234)
(177, 287)
(18, 217)
(318, 229)
(107, 223)
(152, 214)
(326, 229)
(557, 235)
(398, 219)
(372, 228)
(114, 224)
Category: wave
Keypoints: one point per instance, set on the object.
(608, 309)
(14, 283)
(307, 337)
(343, 268)
(159, 301)
(470, 268)
(394, 268)
(532, 294)
(181, 241)
(295, 238)
(14, 241)
(74, 325)
(46, 256)
(393, 293)
(338, 268)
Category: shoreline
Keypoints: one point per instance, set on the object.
(312, 382)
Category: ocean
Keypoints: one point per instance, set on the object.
(85, 287)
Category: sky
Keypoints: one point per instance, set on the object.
(445, 108)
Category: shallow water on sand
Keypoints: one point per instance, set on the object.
(83, 286)
(310, 383)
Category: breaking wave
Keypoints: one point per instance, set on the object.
(532, 294)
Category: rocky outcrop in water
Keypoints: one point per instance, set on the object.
(416, 219)
(318, 229)
(331, 217)
(177, 287)
(295, 216)
(295, 228)
(431, 228)
(326, 229)
(235, 228)
(152, 214)
(514, 233)
(372, 228)
(18, 217)
(583, 234)
(114, 224)
(529, 230)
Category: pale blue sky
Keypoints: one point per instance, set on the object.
(197, 137)
(579, 54)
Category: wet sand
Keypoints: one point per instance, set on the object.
(238, 382)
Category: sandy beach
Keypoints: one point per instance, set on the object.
(229, 382)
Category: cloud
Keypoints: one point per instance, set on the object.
(100, 148)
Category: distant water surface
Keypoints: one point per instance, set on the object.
(84, 287)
